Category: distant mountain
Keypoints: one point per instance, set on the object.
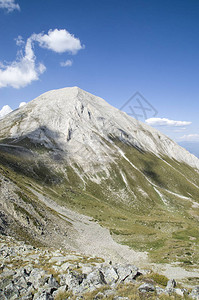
(192, 147)
(74, 149)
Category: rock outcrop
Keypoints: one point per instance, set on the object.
(27, 272)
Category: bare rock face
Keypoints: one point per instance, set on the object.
(85, 126)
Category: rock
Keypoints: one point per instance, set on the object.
(27, 297)
(60, 290)
(195, 293)
(146, 287)
(2, 295)
(62, 279)
(86, 269)
(181, 292)
(171, 284)
(4, 282)
(11, 291)
(20, 281)
(145, 271)
(108, 293)
(126, 272)
(94, 280)
(160, 291)
(8, 273)
(73, 280)
(44, 296)
(52, 282)
(99, 295)
(109, 275)
(37, 278)
(65, 266)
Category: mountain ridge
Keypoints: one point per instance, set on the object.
(73, 116)
(75, 149)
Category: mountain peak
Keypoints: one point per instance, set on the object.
(73, 120)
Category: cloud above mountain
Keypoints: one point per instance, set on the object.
(25, 68)
(59, 41)
(9, 5)
(166, 122)
(194, 137)
(6, 109)
(23, 71)
(22, 104)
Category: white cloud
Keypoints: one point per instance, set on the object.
(67, 63)
(10, 5)
(190, 137)
(59, 41)
(180, 129)
(22, 71)
(19, 41)
(166, 122)
(5, 110)
(22, 104)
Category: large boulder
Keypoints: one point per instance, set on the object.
(126, 273)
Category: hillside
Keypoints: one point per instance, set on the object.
(71, 150)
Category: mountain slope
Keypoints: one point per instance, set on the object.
(84, 154)
(72, 119)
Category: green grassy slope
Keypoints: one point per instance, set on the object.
(142, 211)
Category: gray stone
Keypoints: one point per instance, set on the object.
(93, 281)
(52, 282)
(171, 284)
(146, 287)
(104, 294)
(65, 266)
(20, 282)
(126, 271)
(73, 280)
(7, 273)
(2, 295)
(27, 297)
(195, 293)
(38, 278)
(4, 282)
(161, 291)
(61, 290)
(181, 292)
(44, 296)
(109, 275)
(11, 291)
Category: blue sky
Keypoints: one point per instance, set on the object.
(111, 48)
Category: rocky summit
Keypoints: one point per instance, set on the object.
(79, 175)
